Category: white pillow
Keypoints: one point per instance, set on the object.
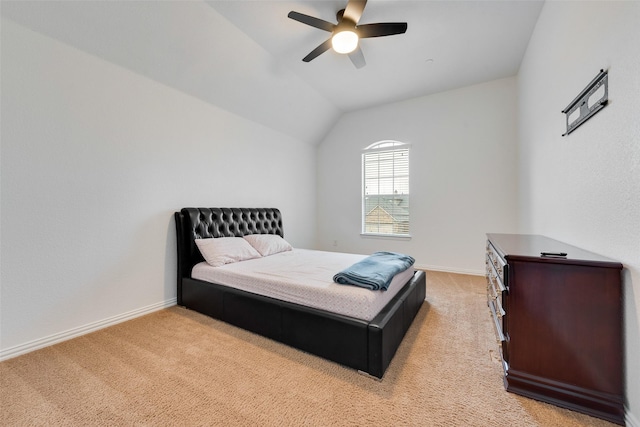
(225, 250)
(268, 244)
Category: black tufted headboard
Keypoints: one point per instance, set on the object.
(202, 223)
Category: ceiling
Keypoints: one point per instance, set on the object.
(448, 44)
(246, 56)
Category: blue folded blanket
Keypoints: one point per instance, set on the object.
(376, 271)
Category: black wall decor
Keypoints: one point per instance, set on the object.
(592, 99)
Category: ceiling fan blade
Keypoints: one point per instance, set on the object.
(310, 20)
(381, 29)
(357, 57)
(318, 51)
(354, 10)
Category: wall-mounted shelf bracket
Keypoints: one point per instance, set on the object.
(592, 99)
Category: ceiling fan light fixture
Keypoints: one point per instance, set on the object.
(346, 33)
(345, 41)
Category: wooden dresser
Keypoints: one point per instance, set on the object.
(558, 322)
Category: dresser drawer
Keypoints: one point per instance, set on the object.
(498, 266)
(497, 322)
(494, 294)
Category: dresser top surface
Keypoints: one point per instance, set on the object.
(529, 247)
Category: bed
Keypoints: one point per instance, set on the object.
(365, 345)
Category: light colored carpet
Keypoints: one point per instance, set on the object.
(177, 367)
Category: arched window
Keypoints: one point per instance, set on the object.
(385, 189)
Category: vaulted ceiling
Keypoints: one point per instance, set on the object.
(246, 56)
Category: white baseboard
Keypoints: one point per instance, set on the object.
(630, 419)
(82, 330)
(450, 270)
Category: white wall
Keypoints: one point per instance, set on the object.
(463, 177)
(584, 188)
(95, 160)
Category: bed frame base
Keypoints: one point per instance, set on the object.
(365, 346)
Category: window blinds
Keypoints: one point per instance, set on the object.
(386, 191)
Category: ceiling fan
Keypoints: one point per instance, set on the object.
(346, 33)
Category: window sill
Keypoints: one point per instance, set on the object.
(386, 236)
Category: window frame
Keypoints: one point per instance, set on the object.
(377, 147)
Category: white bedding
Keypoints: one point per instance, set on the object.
(304, 277)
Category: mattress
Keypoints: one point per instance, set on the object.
(304, 277)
